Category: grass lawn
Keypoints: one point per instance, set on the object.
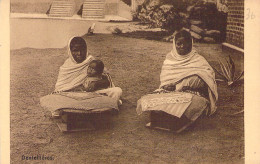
(135, 67)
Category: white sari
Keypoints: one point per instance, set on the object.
(181, 70)
(177, 67)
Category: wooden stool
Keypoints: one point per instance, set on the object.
(164, 121)
(73, 120)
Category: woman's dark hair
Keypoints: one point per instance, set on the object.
(185, 34)
(80, 41)
(99, 66)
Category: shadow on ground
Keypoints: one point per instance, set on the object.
(149, 35)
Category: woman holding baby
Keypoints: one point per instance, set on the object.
(82, 74)
(80, 68)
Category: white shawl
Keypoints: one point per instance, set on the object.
(177, 67)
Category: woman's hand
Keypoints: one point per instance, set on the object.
(169, 87)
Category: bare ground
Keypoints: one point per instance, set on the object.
(135, 66)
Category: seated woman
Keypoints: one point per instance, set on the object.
(187, 90)
(73, 73)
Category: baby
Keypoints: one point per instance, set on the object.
(95, 79)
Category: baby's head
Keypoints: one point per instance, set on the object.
(96, 68)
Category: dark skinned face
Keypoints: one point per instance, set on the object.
(92, 70)
(78, 52)
(183, 46)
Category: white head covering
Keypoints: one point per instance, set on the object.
(69, 50)
(175, 52)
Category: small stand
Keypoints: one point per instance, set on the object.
(75, 120)
(164, 121)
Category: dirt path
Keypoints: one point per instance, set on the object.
(135, 66)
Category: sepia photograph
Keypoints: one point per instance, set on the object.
(127, 81)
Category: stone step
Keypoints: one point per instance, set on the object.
(98, 6)
(63, 4)
(93, 14)
(91, 1)
(93, 9)
(57, 10)
(62, 9)
(96, 14)
(94, 17)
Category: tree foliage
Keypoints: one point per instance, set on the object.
(172, 15)
(162, 13)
